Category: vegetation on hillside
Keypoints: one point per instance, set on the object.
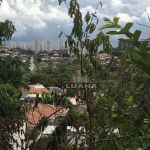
(117, 114)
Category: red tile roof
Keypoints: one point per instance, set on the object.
(38, 88)
(44, 110)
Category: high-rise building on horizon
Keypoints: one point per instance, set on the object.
(22, 45)
(123, 45)
(60, 44)
(12, 45)
(41, 45)
(42, 48)
(47, 45)
(37, 45)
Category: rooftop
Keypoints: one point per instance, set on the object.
(44, 110)
(38, 88)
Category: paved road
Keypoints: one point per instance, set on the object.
(32, 65)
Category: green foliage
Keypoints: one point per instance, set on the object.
(43, 122)
(12, 72)
(137, 101)
(65, 55)
(10, 90)
(6, 30)
(116, 52)
(49, 76)
(11, 115)
(79, 37)
(9, 107)
(48, 99)
(111, 24)
(118, 114)
(32, 133)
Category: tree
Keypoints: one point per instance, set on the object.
(11, 116)
(136, 104)
(118, 114)
(65, 55)
(12, 113)
(48, 99)
(6, 30)
(12, 72)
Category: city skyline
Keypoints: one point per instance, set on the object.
(41, 19)
(21, 45)
(46, 45)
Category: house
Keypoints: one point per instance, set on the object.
(29, 98)
(55, 63)
(57, 90)
(73, 136)
(36, 112)
(78, 103)
(45, 58)
(34, 92)
(44, 64)
(38, 89)
(51, 112)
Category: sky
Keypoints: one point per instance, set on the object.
(45, 19)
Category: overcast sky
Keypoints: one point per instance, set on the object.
(45, 19)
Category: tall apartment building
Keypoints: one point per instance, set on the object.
(39, 45)
(60, 44)
(12, 45)
(22, 45)
(123, 45)
(42, 48)
(47, 45)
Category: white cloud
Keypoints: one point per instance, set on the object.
(105, 7)
(142, 4)
(29, 12)
(56, 14)
(126, 18)
(69, 24)
(116, 4)
(91, 9)
(6, 11)
(44, 16)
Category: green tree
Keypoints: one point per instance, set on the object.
(118, 114)
(11, 116)
(65, 55)
(48, 99)
(32, 135)
(6, 30)
(12, 72)
(12, 113)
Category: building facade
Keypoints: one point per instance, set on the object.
(123, 45)
(47, 45)
(41, 45)
(12, 45)
(36, 45)
(60, 44)
(22, 45)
